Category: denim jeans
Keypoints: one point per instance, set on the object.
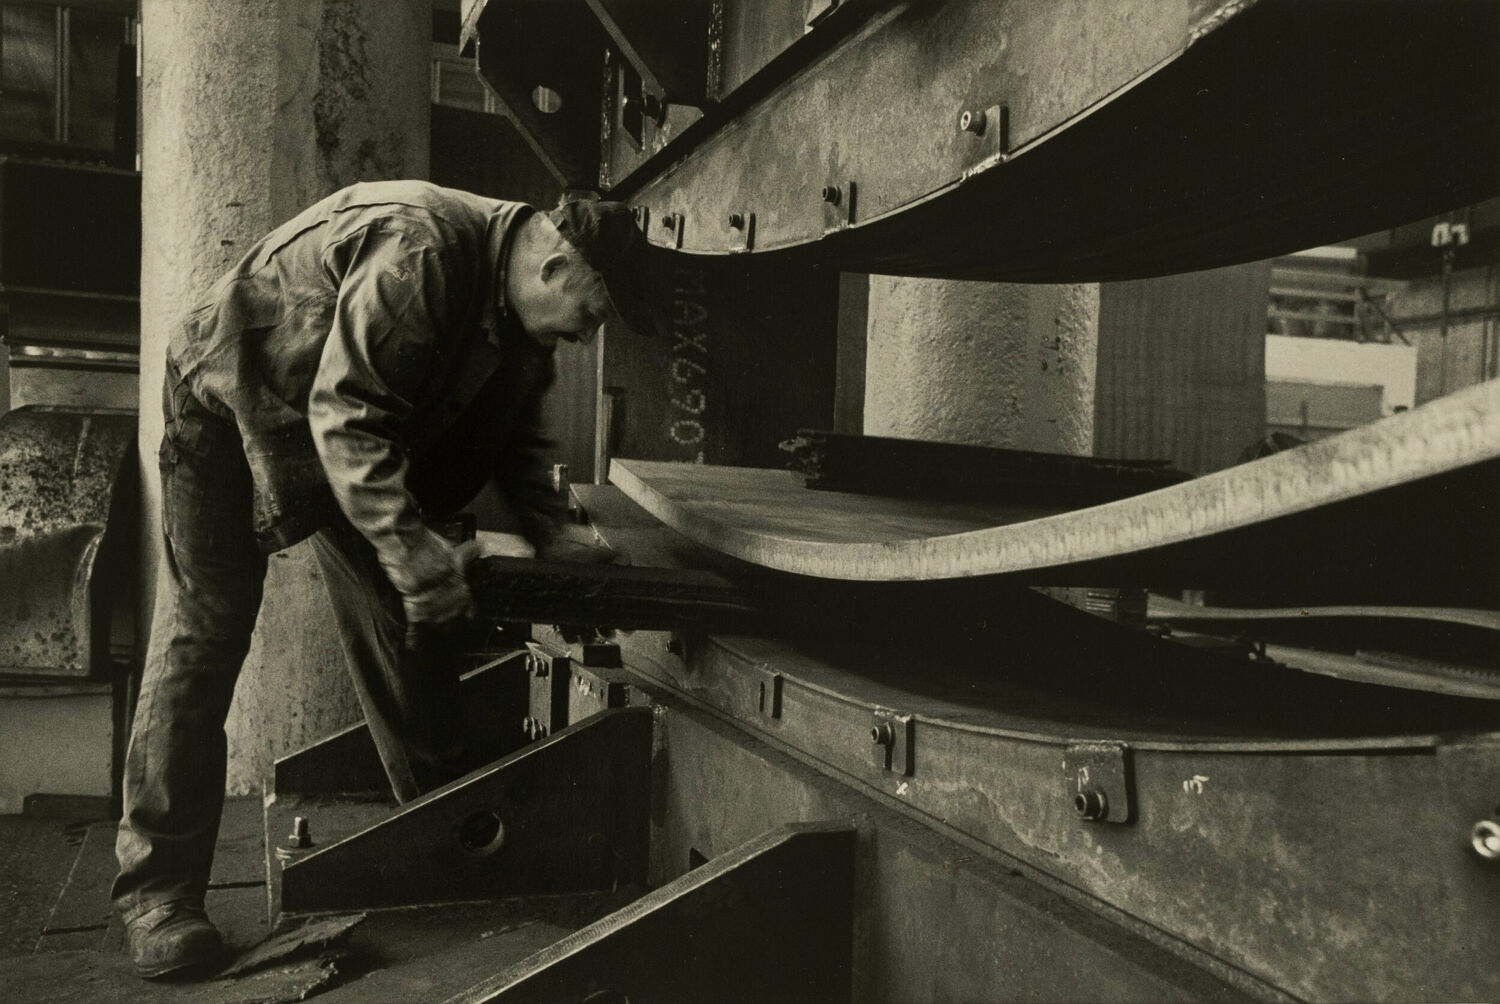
(208, 600)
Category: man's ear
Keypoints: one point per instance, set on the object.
(553, 264)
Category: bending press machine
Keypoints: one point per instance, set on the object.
(903, 723)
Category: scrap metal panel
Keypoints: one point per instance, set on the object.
(67, 534)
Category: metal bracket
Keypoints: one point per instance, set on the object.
(548, 677)
(894, 735)
(991, 124)
(741, 231)
(567, 814)
(1098, 782)
(675, 222)
(839, 205)
(769, 703)
(595, 689)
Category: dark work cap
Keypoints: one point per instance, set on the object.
(609, 239)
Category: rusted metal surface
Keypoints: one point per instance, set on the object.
(1266, 522)
(1238, 843)
(66, 536)
(567, 814)
(770, 920)
(1135, 141)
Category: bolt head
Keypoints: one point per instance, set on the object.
(831, 194)
(737, 221)
(1091, 804)
(1486, 839)
(884, 734)
(972, 120)
(301, 835)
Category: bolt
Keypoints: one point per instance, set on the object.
(300, 836)
(972, 121)
(832, 195)
(297, 842)
(737, 221)
(1091, 804)
(528, 725)
(669, 220)
(884, 734)
(1486, 838)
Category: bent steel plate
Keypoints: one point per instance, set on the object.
(1168, 610)
(1138, 139)
(1333, 518)
(61, 474)
(1446, 650)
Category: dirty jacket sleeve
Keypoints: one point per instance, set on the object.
(387, 338)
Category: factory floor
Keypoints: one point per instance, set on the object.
(60, 941)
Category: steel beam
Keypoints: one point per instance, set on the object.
(568, 814)
(938, 916)
(770, 920)
(544, 61)
(666, 42)
(1226, 791)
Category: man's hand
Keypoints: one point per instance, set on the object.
(445, 602)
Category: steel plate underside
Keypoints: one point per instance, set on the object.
(1281, 126)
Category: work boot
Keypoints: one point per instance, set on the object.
(173, 939)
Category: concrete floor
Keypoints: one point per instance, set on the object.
(60, 941)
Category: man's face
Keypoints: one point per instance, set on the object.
(577, 304)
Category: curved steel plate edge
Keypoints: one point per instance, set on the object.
(1443, 435)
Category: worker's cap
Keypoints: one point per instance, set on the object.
(608, 238)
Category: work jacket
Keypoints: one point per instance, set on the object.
(366, 354)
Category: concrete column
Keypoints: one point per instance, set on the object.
(251, 110)
(982, 363)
